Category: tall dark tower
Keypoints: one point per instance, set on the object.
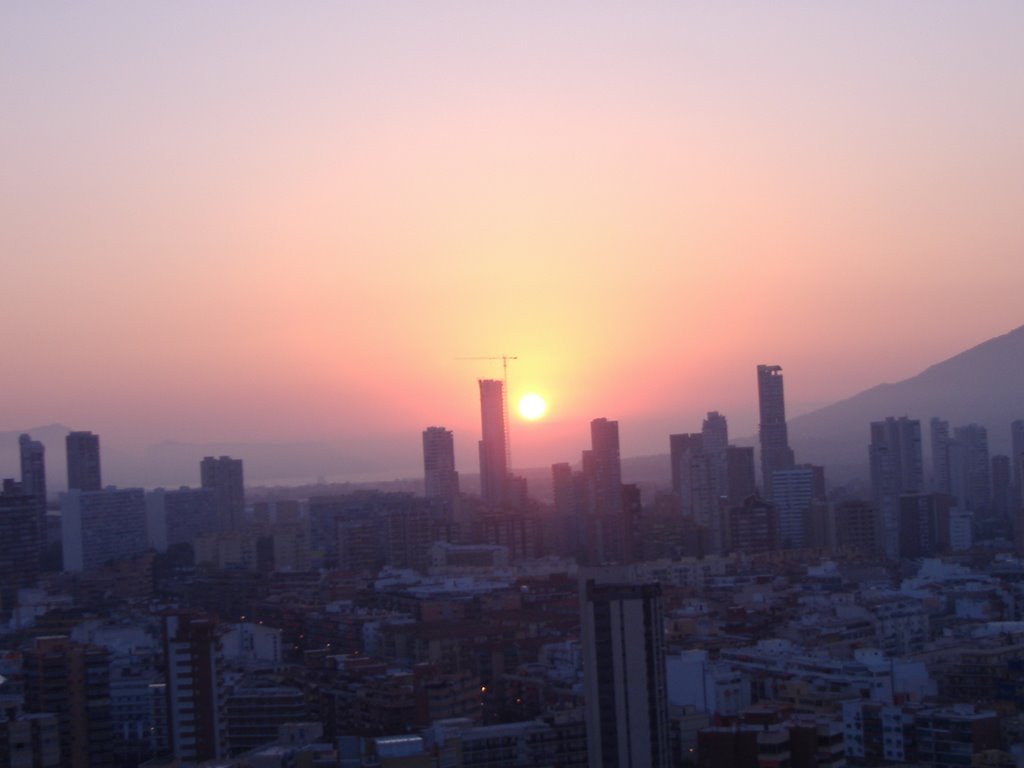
(606, 466)
(441, 481)
(224, 477)
(493, 442)
(33, 478)
(775, 451)
(83, 461)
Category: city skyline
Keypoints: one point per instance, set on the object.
(264, 234)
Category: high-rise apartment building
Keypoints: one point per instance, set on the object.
(83, 451)
(1017, 460)
(605, 467)
(794, 491)
(896, 468)
(73, 681)
(773, 432)
(19, 542)
(196, 696)
(441, 481)
(715, 442)
(740, 474)
(973, 468)
(694, 487)
(223, 476)
(180, 516)
(624, 672)
(33, 478)
(494, 468)
(940, 442)
(99, 526)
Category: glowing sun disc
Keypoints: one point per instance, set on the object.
(532, 407)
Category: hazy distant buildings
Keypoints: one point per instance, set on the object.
(223, 476)
(624, 674)
(179, 516)
(896, 468)
(100, 526)
(441, 481)
(494, 468)
(972, 468)
(855, 527)
(33, 478)
(83, 453)
(753, 528)
(773, 432)
(1017, 459)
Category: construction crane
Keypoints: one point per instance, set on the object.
(504, 385)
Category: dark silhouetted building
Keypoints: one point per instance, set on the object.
(72, 680)
(740, 473)
(624, 673)
(1002, 488)
(972, 468)
(19, 542)
(924, 524)
(605, 467)
(196, 697)
(773, 432)
(33, 478)
(83, 449)
(494, 449)
(794, 490)
(896, 468)
(100, 526)
(223, 476)
(440, 480)
(940, 441)
(715, 442)
(754, 527)
(856, 528)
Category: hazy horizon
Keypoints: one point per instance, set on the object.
(252, 224)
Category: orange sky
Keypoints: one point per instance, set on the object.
(247, 222)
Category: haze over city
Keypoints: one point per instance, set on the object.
(232, 224)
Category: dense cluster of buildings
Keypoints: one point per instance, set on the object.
(749, 615)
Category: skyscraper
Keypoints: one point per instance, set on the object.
(896, 468)
(33, 478)
(224, 477)
(740, 474)
(774, 434)
(441, 481)
(975, 468)
(1017, 460)
(940, 441)
(19, 542)
(83, 449)
(493, 442)
(715, 438)
(624, 673)
(605, 467)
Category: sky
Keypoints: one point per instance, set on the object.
(248, 221)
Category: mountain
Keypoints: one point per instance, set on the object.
(984, 385)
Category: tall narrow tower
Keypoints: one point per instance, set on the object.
(83, 450)
(775, 451)
(493, 442)
(441, 481)
(33, 478)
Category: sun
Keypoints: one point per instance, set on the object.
(532, 407)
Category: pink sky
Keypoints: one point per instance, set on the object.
(246, 221)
